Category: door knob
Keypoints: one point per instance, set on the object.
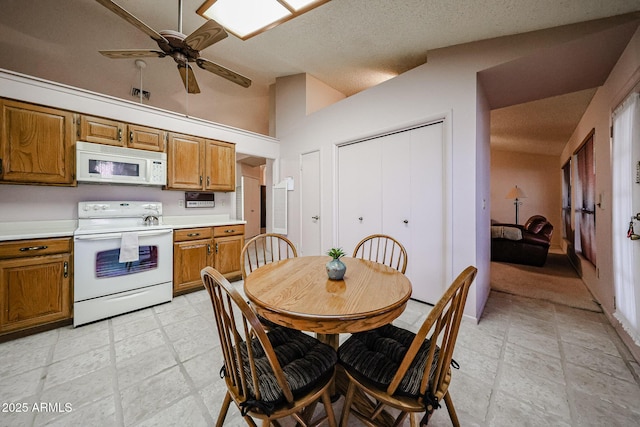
(359, 218)
(406, 221)
(315, 217)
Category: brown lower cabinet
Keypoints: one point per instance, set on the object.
(196, 248)
(35, 283)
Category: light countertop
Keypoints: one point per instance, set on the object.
(65, 228)
(37, 229)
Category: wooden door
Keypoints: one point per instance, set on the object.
(251, 197)
(36, 144)
(310, 243)
(145, 138)
(102, 131)
(227, 255)
(359, 192)
(189, 258)
(220, 166)
(34, 291)
(185, 162)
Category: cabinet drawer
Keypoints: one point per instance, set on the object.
(29, 248)
(187, 234)
(228, 230)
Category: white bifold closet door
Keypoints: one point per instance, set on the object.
(395, 184)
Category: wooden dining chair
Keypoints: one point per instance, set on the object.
(384, 250)
(268, 375)
(264, 249)
(406, 371)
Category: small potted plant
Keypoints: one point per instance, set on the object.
(335, 267)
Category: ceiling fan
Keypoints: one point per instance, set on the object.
(183, 49)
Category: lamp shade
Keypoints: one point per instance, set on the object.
(516, 193)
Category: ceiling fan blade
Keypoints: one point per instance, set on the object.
(188, 78)
(236, 78)
(132, 53)
(133, 20)
(209, 33)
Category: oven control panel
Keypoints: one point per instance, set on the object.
(117, 209)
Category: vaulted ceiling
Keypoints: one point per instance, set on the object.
(348, 44)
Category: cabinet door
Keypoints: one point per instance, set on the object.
(220, 166)
(145, 138)
(36, 145)
(227, 255)
(102, 131)
(188, 259)
(34, 291)
(185, 156)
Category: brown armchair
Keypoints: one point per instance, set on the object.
(522, 244)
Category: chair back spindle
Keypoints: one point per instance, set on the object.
(382, 249)
(264, 249)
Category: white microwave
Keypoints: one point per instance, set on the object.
(107, 164)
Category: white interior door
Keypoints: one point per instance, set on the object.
(310, 204)
(251, 188)
(396, 185)
(427, 194)
(359, 192)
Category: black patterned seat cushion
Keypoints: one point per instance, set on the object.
(304, 360)
(377, 355)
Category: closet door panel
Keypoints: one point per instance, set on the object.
(396, 189)
(359, 192)
(427, 196)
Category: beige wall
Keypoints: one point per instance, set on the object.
(538, 176)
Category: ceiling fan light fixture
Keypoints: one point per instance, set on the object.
(248, 18)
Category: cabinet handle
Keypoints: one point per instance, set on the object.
(406, 221)
(33, 248)
(230, 231)
(315, 217)
(119, 134)
(193, 234)
(359, 218)
(0, 166)
(200, 179)
(131, 136)
(209, 249)
(216, 248)
(66, 269)
(208, 181)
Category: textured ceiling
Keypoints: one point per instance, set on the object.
(353, 44)
(348, 44)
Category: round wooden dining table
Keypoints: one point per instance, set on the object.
(298, 294)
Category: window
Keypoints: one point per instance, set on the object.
(585, 239)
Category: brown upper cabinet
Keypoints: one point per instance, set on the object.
(200, 164)
(36, 145)
(113, 132)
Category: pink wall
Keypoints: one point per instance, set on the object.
(540, 179)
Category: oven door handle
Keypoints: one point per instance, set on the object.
(108, 236)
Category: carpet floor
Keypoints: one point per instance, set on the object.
(557, 281)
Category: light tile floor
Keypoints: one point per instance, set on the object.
(528, 362)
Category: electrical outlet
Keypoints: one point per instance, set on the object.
(181, 203)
